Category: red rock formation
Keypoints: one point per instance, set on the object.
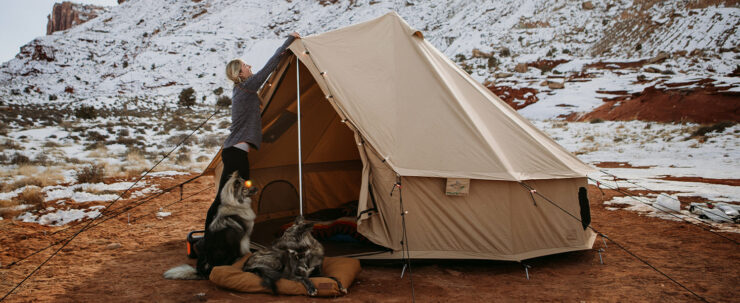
(67, 14)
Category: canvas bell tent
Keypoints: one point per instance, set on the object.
(380, 105)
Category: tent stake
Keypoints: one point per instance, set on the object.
(526, 269)
(601, 260)
(300, 160)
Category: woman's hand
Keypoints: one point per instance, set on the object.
(296, 35)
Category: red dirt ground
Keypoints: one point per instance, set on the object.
(508, 94)
(706, 104)
(87, 271)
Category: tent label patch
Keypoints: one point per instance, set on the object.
(457, 187)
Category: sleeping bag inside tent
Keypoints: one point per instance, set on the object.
(380, 106)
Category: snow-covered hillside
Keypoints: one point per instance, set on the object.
(83, 112)
(146, 49)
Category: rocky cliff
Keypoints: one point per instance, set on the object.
(67, 14)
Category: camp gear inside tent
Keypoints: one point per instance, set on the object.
(381, 107)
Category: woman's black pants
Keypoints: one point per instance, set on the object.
(234, 159)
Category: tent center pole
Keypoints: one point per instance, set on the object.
(300, 158)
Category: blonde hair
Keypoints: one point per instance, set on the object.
(232, 70)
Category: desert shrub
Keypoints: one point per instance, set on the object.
(492, 62)
(224, 124)
(32, 196)
(19, 159)
(718, 127)
(96, 136)
(95, 145)
(218, 91)
(210, 141)
(123, 132)
(52, 97)
(176, 139)
(187, 97)
(86, 112)
(182, 158)
(72, 160)
(42, 159)
(223, 102)
(176, 123)
(202, 159)
(91, 174)
(505, 52)
(128, 141)
(597, 120)
(26, 181)
(10, 144)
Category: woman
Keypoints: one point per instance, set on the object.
(246, 123)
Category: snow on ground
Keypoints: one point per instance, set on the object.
(657, 150)
(141, 54)
(62, 217)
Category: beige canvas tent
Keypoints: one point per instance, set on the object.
(380, 104)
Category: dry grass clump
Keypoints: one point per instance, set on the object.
(33, 181)
(99, 152)
(10, 144)
(6, 209)
(19, 159)
(91, 174)
(51, 144)
(176, 139)
(95, 136)
(183, 157)
(209, 141)
(32, 196)
(176, 123)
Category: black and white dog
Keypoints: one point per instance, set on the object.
(227, 237)
(296, 256)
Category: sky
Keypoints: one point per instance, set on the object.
(23, 20)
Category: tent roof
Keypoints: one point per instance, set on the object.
(423, 114)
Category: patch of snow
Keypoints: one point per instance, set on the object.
(61, 217)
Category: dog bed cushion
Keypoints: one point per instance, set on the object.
(344, 270)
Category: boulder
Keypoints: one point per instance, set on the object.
(587, 5)
(555, 85)
(652, 70)
(480, 54)
(521, 68)
(113, 246)
(659, 58)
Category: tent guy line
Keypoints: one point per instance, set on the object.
(130, 207)
(633, 197)
(650, 190)
(107, 207)
(532, 190)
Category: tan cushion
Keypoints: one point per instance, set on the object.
(343, 269)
